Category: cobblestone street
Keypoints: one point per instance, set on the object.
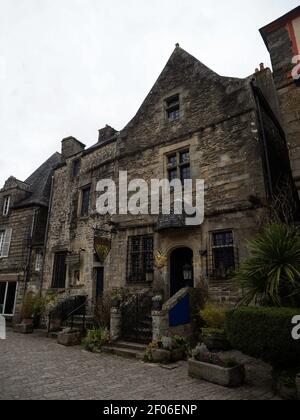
(34, 367)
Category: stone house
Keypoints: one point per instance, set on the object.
(193, 124)
(23, 220)
(282, 38)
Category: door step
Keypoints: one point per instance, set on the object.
(126, 349)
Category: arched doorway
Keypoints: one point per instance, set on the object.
(181, 269)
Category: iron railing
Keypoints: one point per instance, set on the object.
(67, 310)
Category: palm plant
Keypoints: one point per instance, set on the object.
(271, 276)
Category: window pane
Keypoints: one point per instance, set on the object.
(223, 239)
(59, 271)
(173, 174)
(174, 113)
(185, 173)
(76, 167)
(185, 157)
(174, 100)
(2, 296)
(85, 201)
(172, 160)
(10, 299)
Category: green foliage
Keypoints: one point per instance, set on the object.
(154, 345)
(213, 316)
(33, 305)
(102, 310)
(96, 338)
(264, 333)
(271, 276)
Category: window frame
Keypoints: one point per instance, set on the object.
(76, 168)
(59, 284)
(142, 253)
(230, 246)
(173, 108)
(6, 205)
(38, 262)
(7, 283)
(85, 212)
(180, 165)
(5, 242)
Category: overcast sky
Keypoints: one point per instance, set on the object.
(68, 67)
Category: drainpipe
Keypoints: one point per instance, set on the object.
(46, 234)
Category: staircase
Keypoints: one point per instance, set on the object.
(126, 349)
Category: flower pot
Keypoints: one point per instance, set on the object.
(68, 339)
(228, 377)
(27, 321)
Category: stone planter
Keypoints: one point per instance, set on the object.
(70, 338)
(228, 377)
(216, 342)
(23, 328)
(298, 386)
(161, 356)
(27, 321)
(284, 391)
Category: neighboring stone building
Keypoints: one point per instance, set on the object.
(194, 123)
(23, 219)
(282, 38)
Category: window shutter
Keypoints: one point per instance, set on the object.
(6, 243)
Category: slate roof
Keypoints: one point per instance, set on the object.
(40, 183)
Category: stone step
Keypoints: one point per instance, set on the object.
(124, 352)
(131, 346)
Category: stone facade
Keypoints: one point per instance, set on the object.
(23, 220)
(222, 127)
(282, 38)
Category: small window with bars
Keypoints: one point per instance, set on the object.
(224, 256)
(179, 166)
(140, 265)
(38, 262)
(85, 202)
(172, 105)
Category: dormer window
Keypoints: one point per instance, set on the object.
(173, 108)
(6, 205)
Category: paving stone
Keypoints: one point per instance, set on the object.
(34, 367)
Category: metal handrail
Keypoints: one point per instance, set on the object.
(64, 318)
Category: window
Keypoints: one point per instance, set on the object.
(173, 108)
(76, 167)
(7, 298)
(59, 271)
(6, 205)
(5, 240)
(85, 203)
(223, 254)
(38, 262)
(140, 259)
(179, 166)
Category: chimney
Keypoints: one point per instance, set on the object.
(262, 67)
(70, 146)
(106, 133)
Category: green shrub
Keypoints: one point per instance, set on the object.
(96, 338)
(270, 276)
(213, 316)
(264, 333)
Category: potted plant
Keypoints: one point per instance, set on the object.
(211, 368)
(116, 300)
(27, 312)
(213, 333)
